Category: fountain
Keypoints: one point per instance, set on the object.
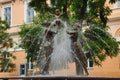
(60, 49)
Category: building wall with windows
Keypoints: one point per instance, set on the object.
(13, 12)
(17, 13)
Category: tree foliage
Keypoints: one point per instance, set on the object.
(99, 42)
(5, 43)
(92, 13)
(31, 40)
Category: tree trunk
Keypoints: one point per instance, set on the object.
(65, 15)
(102, 16)
(82, 13)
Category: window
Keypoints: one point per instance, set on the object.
(7, 14)
(29, 13)
(22, 69)
(117, 4)
(90, 63)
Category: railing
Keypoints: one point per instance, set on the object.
(58, 78)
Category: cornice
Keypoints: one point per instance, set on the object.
(4, 1)
(114, 18)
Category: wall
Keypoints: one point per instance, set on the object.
(20, 59)
(110, 67)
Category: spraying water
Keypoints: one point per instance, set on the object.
(61, 54)
(56, 51)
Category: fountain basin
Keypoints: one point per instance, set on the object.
(49, 77)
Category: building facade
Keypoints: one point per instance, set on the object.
(17, 12)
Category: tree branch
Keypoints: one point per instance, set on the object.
(82, 12)
(102, 17)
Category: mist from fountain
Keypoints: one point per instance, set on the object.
(61, 55)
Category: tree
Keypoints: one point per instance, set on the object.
(93, 13)
(31, 36)
(6, 42)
